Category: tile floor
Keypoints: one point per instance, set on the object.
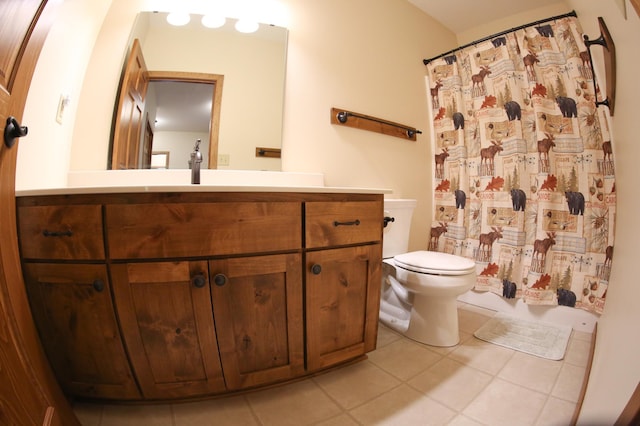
(401, 383)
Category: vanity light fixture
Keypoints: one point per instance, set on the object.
(178, 19)
(213, 21)
(245, 26)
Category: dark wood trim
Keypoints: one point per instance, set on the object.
(585, 382)
(631, 413)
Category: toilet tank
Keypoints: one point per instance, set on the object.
(396, 234)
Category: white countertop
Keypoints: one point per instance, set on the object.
(121, 189)
(140, 181)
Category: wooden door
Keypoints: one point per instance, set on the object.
(129, 117)
(165, 314)
(29, 392)
(74, 314)
(342, 302)
(257, 305)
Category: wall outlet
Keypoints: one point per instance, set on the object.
(223, 159)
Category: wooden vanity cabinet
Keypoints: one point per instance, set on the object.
(73, 311)
(167, 324)
(204, 293)
(259, 320)
(343, 267)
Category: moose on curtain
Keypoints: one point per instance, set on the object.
(523, 168)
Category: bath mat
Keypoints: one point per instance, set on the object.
(542, 339)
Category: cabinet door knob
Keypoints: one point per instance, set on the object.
(98, 285)
(12, 131)
(199, 281)
(316, 269)
(220, 280)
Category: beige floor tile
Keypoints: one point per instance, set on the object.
(88, 414)
(503, 403)
(341, 420)
(484, 356)
(233, 411)
(404, 358)
(461, 420)
(569, 382)
(556, 412)
(356, 384)
(533, 372)
(451, 383)
(299, 403)
(578, 352)
(448, 349)
(136, 415)
(469, 320)
(403, 406)
(386, 336)
(581, 335)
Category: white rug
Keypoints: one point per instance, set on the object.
(538, 338)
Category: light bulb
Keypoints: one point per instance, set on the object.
(213, 21)
(246, 26)
(178, 18)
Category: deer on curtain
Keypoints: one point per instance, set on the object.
(518, 136)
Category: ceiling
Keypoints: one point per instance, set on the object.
(182, 106)
(462, 15)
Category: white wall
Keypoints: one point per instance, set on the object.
(616, 367)
(181, 145)
(364, 56)
(44, 156)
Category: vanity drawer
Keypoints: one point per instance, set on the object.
(61, 232)
(162, 230)
(330, 224)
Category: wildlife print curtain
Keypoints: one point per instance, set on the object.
(523, 166)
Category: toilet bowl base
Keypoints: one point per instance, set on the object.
(434, 321)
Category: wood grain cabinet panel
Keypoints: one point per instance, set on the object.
(61, 232)
(162, 230)
(74, 314)
(257, 305)
(342, 303)
(330, 224)
(167, 324)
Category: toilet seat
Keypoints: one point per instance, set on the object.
(435, 263)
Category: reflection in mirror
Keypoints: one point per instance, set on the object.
(250, 106)
(181, 112)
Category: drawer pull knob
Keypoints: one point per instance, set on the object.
(316, 269)
(220, 280)
(388, 219)
(66, 233)
(199, 281)
(353, 223)
(98, 285)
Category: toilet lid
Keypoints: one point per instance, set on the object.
(433, 262)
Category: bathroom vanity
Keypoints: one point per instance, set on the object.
(166, 293)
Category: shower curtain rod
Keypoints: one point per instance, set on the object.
(542, 21)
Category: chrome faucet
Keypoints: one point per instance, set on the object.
(194, 163)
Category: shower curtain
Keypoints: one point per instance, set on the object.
(523, 167)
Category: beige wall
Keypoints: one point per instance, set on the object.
(364, 56)
(616, 367)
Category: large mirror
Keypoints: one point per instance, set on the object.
(200, 75)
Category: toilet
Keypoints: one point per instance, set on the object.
(420, 288)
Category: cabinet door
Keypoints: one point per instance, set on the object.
(165, 313)
(74, 315)
(257, 305)
(342, 302)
